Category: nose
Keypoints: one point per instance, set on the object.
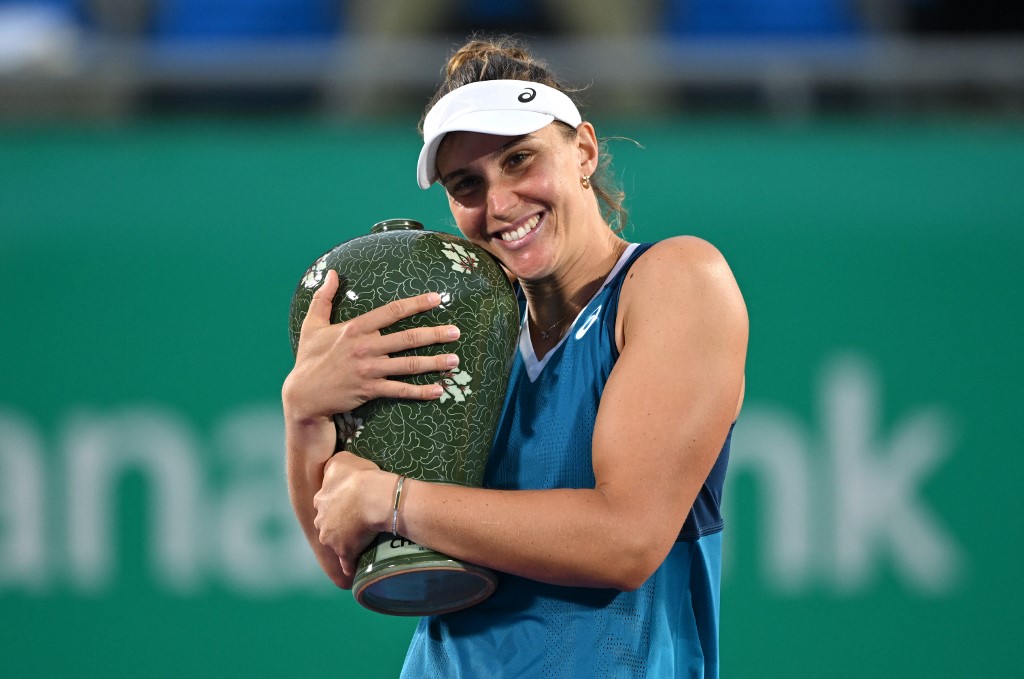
(501, 200)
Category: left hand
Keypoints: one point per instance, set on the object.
(352, 506)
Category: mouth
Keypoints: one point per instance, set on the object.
(516, 235)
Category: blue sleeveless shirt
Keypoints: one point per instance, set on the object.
(668, 627)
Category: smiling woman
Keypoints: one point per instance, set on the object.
(600, 505)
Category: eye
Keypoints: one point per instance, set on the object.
(463, 186)
(516, 159)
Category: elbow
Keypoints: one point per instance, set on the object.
(627, 583)
(632, 579)
(635, 566)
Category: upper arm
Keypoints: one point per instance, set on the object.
(676, 387)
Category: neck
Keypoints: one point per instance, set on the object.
(554, 302)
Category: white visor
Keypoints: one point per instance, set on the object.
(504, 107)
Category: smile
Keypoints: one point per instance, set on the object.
(520, 233)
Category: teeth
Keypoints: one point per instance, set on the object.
(521, 232)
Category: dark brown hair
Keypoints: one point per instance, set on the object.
(505, 58)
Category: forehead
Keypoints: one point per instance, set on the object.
(459, 149)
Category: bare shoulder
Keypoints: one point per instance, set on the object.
(677, 268)
(680, 255)
(684, 273)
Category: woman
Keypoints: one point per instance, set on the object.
(600, 506)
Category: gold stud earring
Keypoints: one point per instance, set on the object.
(585, 181)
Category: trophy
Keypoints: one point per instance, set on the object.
(445, 440)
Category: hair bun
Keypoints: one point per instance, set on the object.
(480, 52)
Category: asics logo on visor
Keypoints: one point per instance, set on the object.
(529, 95)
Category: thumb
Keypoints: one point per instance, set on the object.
(319, 312)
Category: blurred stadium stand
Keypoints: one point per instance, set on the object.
(113, 59)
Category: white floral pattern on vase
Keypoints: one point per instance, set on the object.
(456, 385)
(316, 273)
(349, 427)
(462, 261)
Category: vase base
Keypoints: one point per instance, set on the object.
(426, 590)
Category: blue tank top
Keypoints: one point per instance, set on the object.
(668, 627)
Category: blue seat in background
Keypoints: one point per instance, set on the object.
(173, 20)
(762, 18)
(245, 19)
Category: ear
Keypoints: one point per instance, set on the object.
(586, 143)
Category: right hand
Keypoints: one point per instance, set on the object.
(339, 367)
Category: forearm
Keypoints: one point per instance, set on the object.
(565, 537)
(306, 444)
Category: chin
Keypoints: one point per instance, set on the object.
(529, 273)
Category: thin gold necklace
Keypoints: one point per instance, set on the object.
(545, 333)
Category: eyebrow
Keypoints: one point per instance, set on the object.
(497, 152)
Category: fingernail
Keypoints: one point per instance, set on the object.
(433, 298)
(454, 332)
(452, 360)
(437, 391)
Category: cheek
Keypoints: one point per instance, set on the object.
(551, 186)
(468, 220)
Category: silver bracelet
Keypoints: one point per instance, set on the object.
(398, 500)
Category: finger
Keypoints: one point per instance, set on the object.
(319, 312)
(414, 365)
(383, 316)
(416, 338)
(404, 390)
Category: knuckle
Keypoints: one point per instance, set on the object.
(362, 373)
(354, 359)
(397, 307)
(345, 330)
(359, 351)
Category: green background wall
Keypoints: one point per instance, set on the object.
(145, 273)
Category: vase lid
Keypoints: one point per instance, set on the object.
(396, 225)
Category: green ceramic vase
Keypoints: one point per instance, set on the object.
(445, 440)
